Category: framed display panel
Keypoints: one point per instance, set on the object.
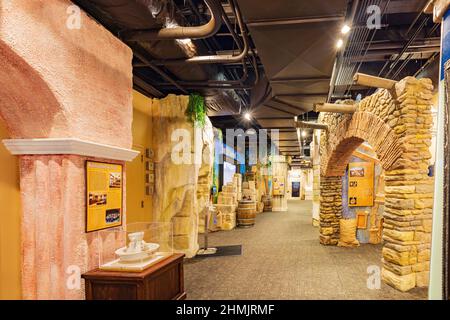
(104, 195)
(360, 184)
(278, 183)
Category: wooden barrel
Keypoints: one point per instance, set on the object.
(267, 202)
(246, 213)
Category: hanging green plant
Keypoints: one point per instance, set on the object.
(196, 110)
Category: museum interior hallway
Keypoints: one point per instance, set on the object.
(283, 259)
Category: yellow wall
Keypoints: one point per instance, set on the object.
(10, 252)
(139, 205)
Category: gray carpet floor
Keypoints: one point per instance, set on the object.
(283, 259)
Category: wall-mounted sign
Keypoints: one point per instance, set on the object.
(104, 185)
(278, 184)
(360, 184)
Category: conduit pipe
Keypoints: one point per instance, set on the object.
(200, 32)
(215, 59)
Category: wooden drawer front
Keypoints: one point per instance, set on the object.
(165, 285)
(114, 291)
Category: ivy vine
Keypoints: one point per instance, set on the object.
(196, 110)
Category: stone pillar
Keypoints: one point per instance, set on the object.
(409, 191)
(330, 209)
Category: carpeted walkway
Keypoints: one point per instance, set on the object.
(282, 259)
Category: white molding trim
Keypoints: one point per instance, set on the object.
(68, 146)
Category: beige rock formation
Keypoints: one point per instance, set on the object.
(181, 189)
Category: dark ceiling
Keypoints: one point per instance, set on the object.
(292, 46)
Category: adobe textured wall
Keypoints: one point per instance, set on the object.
(66, 82)
(397, 125)
(57, 82)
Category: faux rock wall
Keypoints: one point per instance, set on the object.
(398, 126)
(180, 188)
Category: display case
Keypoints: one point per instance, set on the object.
(135, 247)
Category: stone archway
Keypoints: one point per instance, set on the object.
(397, 124)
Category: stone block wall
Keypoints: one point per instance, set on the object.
(330, 209)
(397, 124)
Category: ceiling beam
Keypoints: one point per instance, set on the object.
(284, 80)
(294, 21)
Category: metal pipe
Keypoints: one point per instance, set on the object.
(291, 21)
(215, 59)
(204, 31)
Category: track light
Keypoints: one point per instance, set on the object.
(345, 29)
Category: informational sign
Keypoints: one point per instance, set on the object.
(279, 186)
(360, 184)
(104, 195)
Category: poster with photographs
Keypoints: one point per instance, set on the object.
(360, 184)
(278, 186)
(104, 185)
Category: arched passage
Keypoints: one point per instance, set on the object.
(398, 126)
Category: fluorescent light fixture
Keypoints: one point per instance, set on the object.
(339, 43)
(345, 29)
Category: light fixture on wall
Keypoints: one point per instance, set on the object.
(247, 116)
(304, 133)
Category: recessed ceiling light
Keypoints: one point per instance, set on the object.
(345, 29)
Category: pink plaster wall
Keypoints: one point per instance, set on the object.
(87, 72)
(53, 226)
(57, 82)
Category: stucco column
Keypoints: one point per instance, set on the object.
(56, 249)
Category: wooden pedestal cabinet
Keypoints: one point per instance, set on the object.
(162, 281)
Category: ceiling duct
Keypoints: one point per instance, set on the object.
(200, 32)
(216, 59)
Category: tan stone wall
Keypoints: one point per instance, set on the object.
(398, 126)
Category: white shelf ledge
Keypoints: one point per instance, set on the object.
(71, 146)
